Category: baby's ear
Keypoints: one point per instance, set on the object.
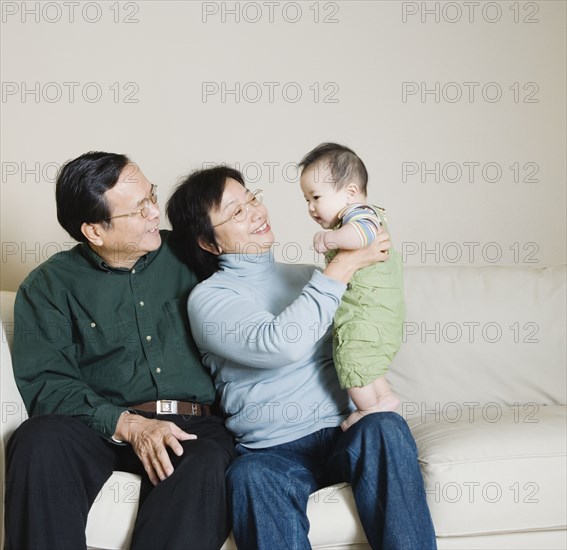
(352, 190)
(209, 247)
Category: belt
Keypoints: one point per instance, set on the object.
(170, 406)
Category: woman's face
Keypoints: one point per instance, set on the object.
(252, 235)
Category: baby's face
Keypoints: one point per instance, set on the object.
(323, 200)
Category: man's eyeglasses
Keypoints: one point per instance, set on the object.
(241, 211)
(145, 209)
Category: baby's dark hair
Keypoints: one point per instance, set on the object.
(345, 165)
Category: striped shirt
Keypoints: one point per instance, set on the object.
(365, 219)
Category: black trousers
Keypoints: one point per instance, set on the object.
(56, 466)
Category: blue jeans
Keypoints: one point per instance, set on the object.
(269, 487)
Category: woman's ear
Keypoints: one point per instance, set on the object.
(209, 247)
(93, 233)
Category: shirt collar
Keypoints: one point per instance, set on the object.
(99, 262)
(248, 264)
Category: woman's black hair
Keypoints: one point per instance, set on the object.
(80, 188)
(188, 210)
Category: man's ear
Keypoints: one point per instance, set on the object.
(212, 248)
(93, 233)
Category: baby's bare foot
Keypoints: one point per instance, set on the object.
(388, 402)
(355, 416)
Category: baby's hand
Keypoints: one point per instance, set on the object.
(319, 242)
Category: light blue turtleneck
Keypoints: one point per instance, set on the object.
(263, 328)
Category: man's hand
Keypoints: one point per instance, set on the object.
(150, 439)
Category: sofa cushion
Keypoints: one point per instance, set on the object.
(333, 519)
(494, 470)
(332, 516)
(483, 334)
(121, 488)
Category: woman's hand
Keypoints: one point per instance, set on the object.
(346, 262)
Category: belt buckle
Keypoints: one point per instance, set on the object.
(194, 409)
(166, 406)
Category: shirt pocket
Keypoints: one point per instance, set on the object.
(105, 349)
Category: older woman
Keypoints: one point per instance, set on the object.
(262, 328)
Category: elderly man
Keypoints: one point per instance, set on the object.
(111, 380)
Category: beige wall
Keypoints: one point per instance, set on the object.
(457, 109)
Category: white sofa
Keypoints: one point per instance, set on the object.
(482, 379)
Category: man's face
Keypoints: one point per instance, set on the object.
(130, 237)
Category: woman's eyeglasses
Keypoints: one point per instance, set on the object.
(241, 211)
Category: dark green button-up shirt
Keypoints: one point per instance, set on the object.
(91, 340)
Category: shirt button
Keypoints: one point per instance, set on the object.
(93, 324)
(158, 370)
(133, 272)
(142, 304)
(149, 338)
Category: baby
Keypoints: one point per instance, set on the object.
(367, 330)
